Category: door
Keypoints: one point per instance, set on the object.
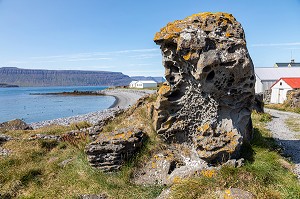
(280, 96)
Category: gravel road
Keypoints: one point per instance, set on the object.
(287, 139)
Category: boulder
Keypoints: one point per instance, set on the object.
(207, 99)
(4, 138)
(16, 124)
(112, 149)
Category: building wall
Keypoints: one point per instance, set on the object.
(258, 86)
(146, 85)
(263, 85)
(279, 91)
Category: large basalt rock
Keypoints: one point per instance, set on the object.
(209, 92)
(112, 149)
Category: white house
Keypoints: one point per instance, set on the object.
(133, 84)
(146, 84)
(281, 87)
(266, 77)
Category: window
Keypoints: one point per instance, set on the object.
(280, 83)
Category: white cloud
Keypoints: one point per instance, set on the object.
(276, 44)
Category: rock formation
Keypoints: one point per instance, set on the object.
(16, 124)
(207, 99)
(111, 149)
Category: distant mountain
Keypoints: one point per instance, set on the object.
(143, 78)
(33, 77)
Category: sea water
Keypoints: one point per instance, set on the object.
(18, 103)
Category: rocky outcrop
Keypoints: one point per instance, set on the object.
(111, 149)
(16, 124)
(293, 98)
(258, 104)
(208, 96)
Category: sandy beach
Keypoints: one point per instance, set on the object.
(124, 98)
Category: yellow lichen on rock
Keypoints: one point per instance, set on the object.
(187, 56)
(209, 173)
(177, 180)
(164, 89)
(204, 127)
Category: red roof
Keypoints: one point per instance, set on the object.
(293, 82)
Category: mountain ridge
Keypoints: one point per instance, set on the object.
(43, 77)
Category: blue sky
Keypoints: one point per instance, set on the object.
(117, 35)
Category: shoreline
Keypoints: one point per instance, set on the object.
(124, 98)
(116, 102)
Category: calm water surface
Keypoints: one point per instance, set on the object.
(18, 103)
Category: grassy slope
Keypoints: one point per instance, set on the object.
(34, 171)
(266, 174)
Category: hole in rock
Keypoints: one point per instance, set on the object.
(176, 95)
(210, 76)
(170, 45)
(172, 78)
(232, 49)
(206, 69)
(173, 165)
(231, 63)
(252, 77)
(209, 45)
(251, 85)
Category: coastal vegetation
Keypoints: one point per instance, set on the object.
(56, 169)
(283, 107)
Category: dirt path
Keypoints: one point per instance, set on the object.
(289, 140)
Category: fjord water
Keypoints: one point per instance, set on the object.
(18, 103)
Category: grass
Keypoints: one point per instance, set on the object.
(293, 123)
(266, 173)
(283, 107)
(34, 170)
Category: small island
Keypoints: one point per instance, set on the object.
(7, 85)
(74, 93)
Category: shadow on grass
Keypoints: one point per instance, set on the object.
(260, 141)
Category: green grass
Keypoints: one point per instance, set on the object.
(266, 174)
(33, 170)
(283, 107)
(293, 123)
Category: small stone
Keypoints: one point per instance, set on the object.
(93, 196)
(65, 162)
(4, 138)
(4, 152)
(235, 193)
(165, 194)
(44, 137)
